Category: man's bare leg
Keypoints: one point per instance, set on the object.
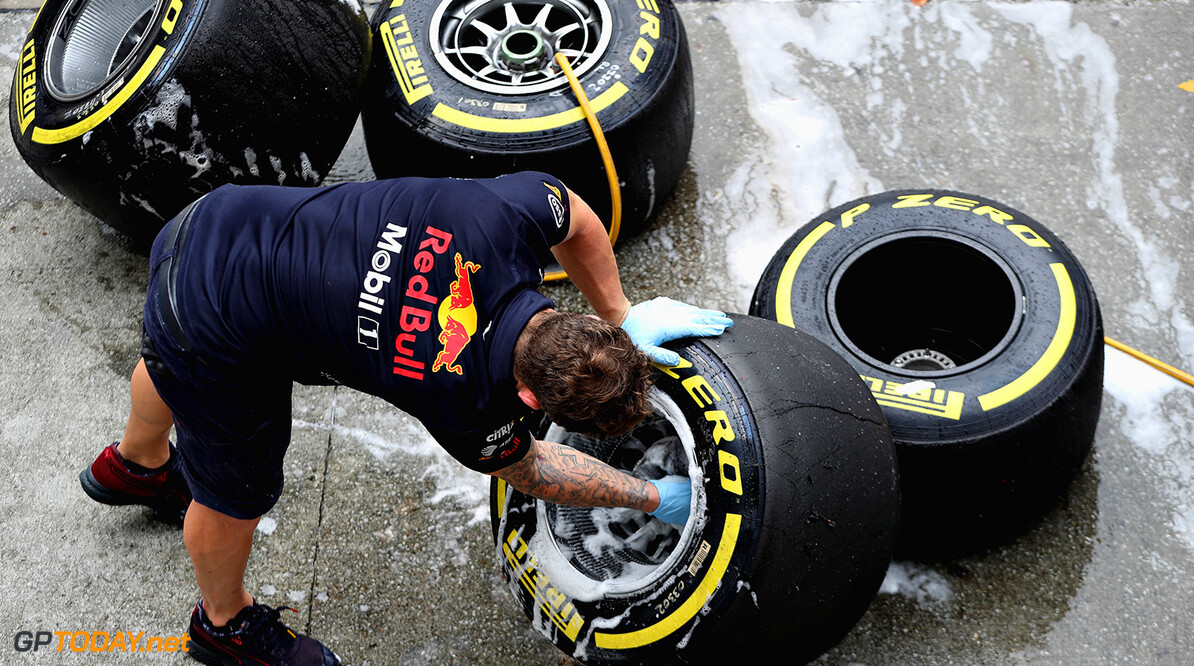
(146, 435)
(219, 546)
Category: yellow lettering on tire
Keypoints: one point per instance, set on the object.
(955, 203)
(731, 482)
(912, 200)
(698, 387)
(641, 56)
(997, 216)
(404, 59)
(650, 26)
(1026, 234)
(722, 430)
(172, 14)
(847, 217)
(25, 87)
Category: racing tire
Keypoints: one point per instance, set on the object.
(134, 108)
(469, 88)
(980, 336)
(794, 513)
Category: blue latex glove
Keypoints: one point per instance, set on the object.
(675, 499)
(653, 322)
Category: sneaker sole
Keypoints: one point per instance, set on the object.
(206, 655)
(99, 493)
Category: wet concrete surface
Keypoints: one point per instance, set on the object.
(1069, 112)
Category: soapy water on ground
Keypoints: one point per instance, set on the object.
(1145, 393)
(806, 165)
(402, 434)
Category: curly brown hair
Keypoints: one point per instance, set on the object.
(587, 374)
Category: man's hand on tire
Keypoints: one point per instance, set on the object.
(653, 322)
(675, 499)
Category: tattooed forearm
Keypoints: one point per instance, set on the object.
(563, 475)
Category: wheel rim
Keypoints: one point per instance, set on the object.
(93, 40)
(623, 550)
(508, 47)
(925, 305)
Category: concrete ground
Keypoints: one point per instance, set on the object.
(1070, 112)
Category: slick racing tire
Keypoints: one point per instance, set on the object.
(794, 514)
(470, 88)
(134, 108)
(980, 336)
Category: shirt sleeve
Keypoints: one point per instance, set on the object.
(541, 201)
(487, 450)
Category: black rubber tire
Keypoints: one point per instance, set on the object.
(212, 93)
(450, 128)
(1000, 435)
(797, 498)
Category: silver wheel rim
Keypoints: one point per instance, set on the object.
(648, 551)
(93, 40)
(508, 47)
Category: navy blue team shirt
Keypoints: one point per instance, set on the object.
(412, 289)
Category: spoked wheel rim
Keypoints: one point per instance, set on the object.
(623, 550)
(509, 46)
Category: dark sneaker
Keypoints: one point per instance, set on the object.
(109, 481)
(255, 636)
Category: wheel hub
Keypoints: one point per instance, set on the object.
(624, 549)
(522, 51)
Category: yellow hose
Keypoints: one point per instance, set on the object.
(1159, 365)
(611, 174)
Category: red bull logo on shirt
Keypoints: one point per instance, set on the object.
(457, 318)
(414, 320)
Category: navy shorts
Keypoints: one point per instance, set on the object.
(232, 419)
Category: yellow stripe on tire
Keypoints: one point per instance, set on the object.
(783, 288)
(1066, 321)
(52, 136)
(691, 606)
(521, 125)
